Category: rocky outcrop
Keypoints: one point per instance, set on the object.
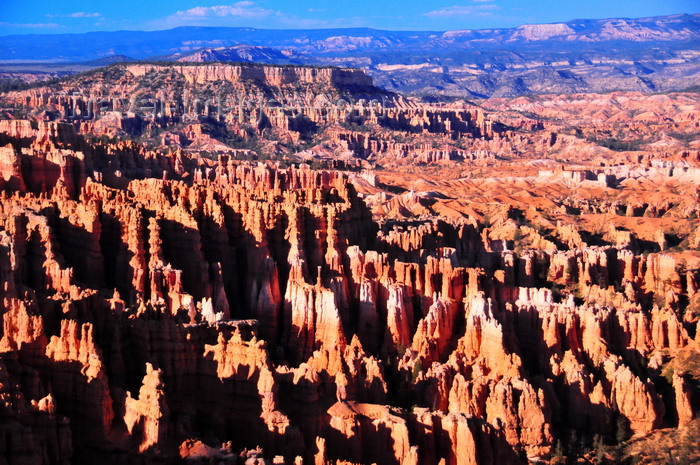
(146, 418)
(684, 405)
(11, 169)
(79, 380)
(163, 305)
(636, 400)
(267, 75)
(31, 432)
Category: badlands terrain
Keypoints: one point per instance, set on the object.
(237, 263)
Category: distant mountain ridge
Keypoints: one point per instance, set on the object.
(239, 53)
(646, 54)
(144, 44)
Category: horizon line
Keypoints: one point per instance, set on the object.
(343, 28)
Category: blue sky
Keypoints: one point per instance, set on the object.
(69, 16)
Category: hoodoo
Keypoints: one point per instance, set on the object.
(320, 271)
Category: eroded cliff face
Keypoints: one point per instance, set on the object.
(117, 306)
(158, 305)
(240, 109)
(266, 75)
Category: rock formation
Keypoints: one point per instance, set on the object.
(162, 305)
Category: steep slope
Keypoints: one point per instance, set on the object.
(458, 287)
(188, 305)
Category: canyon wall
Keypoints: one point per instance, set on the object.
(155, 305)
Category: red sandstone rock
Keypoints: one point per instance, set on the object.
(683, 400)
(114, 257)
(30, 432)
(79, 379)
(635, 399)
(147, 416)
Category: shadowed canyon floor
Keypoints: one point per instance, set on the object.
(262, 264)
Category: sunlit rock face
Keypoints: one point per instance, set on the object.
(160, 305)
